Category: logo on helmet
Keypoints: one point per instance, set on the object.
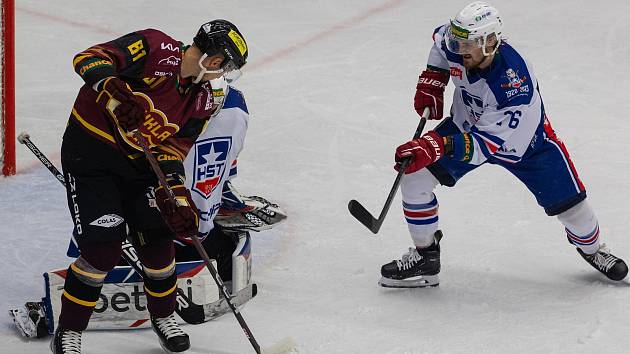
(238, 41)
(459, 32)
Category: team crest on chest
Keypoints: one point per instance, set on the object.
(211, 160)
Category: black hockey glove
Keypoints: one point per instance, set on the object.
(129, 112)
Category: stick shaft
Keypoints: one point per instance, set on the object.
(197, 243)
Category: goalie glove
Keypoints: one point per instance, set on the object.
(251, 213)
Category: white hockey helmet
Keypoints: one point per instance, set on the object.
(472, 27)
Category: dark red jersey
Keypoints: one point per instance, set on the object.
(149, 61)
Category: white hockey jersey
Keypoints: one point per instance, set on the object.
(500, 107)
(213, 159)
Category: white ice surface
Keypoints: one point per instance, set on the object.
(330, 86)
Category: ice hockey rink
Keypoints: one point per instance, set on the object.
(330, 88)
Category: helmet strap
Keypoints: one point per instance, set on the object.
(484, 45)
(204, 70)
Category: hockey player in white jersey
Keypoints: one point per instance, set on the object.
(497, 117)
(210, 166)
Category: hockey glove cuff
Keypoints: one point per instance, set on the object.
(422, 152)
(182, 218)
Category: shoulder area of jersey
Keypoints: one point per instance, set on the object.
(511, 81)
(235, 99)
(438, 34)
(159, 40)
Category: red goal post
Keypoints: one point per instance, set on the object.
(7, 122)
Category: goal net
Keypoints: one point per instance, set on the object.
(7, 88)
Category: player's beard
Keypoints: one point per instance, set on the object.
(470, 62)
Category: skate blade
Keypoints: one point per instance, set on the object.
(424, 281)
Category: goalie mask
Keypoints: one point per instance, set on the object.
(221, 37)
(477, 25)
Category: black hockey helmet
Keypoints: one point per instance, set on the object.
(222, 37)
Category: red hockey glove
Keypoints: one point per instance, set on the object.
(430, 93)
(422, 152)
(182, 218)
(130, 112)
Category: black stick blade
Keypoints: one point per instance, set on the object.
(360, 213)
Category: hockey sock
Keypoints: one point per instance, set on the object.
(81, 292)
(422, 218)
(160, 284)
(581, 227)
(420, 206)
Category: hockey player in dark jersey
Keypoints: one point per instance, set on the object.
(144, 83)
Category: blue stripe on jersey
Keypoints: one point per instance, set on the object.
(235, 99)
(494, 139)
(422, 221)
(510, 158)
(509, 78)
(482, 145)
(428, 205)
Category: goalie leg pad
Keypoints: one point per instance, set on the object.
(242, 263)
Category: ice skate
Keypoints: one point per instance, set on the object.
(417, 268)
(172, 338)
(66, 341)
(612, 267)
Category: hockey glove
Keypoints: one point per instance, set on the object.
(430, 93)
(422, 152)
(130, 112)
(183, 218)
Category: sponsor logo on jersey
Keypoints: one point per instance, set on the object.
(93, 65)
(109, 220)
(169, 46)
(163, 73)
(211, 160)
(172, 60)
(205, 99)
(456, 72)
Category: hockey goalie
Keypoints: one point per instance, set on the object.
(226, 220)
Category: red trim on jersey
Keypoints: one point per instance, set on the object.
(551, 135)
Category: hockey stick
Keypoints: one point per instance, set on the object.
(363, 215)
(186, 309)
(202, 252)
